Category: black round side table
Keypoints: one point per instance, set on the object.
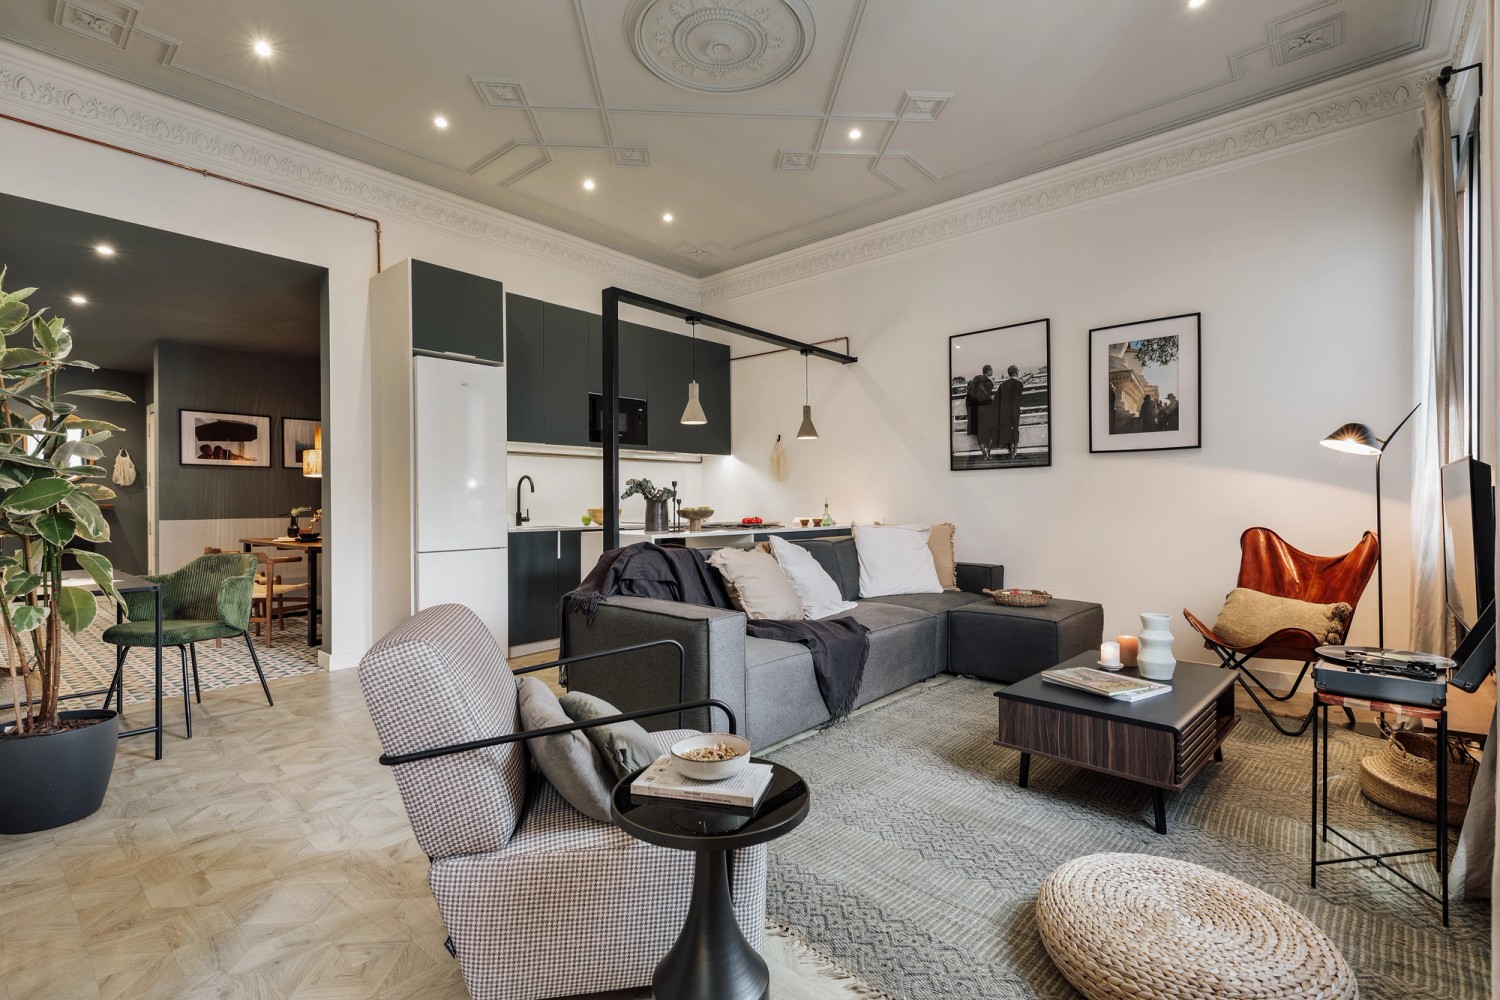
(711, 957)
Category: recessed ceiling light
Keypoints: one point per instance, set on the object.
(588, 184)
(1196, 3)
(666, 217)
(78, 300)
(855, 133)
(440, 122)
(104, 250)
(263, 48)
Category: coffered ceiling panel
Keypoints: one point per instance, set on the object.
(734, 115)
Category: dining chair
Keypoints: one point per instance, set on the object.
(268, 601)
(209, 598)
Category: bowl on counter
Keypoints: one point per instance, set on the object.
(596, 514)
(711, 770)
(696, 516)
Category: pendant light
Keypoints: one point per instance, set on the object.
(693, 412)
(312, 458)
(807, 432)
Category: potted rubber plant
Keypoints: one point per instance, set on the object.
(56, 764)
(656, 501)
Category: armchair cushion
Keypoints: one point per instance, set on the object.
(174, 632)
(943, 558)
(625, 746)
(568, 760)
(1250, 617)
(212, 588)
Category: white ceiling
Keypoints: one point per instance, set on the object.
(733, 115)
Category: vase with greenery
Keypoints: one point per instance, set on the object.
(50, 491)
(656, 498)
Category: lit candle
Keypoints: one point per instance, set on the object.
(1109, 654)
(1130, 649)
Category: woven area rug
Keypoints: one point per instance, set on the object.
(89, 662)
(918, 867)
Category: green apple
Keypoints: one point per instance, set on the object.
(587, 520)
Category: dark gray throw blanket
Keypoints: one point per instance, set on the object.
(681, 574)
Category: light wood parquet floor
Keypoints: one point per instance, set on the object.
(268, 858)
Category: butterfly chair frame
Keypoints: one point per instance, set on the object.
(1272, 566)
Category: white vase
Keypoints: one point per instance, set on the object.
(1156, 660)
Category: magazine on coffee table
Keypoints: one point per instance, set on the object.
(744, 788)
(1109, 685)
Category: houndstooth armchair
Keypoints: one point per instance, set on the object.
(538, 899)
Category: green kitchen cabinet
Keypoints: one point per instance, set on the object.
(525, 388)
(456, 314)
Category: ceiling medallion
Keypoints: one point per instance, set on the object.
(720, 46)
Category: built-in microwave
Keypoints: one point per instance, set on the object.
(632, 420)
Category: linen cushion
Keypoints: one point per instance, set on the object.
(895, 559)
(569, 760)
(1249, 616)
(757, 579)
(943, 559)
(625, 746)
(816, 590)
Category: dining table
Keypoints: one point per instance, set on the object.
(313, 550)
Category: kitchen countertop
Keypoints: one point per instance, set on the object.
(634, 526)
(748, 529)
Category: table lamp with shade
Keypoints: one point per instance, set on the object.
(1359, 439)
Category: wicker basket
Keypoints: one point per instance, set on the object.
(1020, 598)
(1403, 777)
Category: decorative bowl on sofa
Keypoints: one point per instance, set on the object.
(1020, 598)
(696, 516)
(711, 770)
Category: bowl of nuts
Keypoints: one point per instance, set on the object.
(711, 756)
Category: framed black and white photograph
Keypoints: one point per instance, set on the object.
(999, 400)
(234, 440)
(296, 437)
(1145, 391)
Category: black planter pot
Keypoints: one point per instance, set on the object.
(58, 778)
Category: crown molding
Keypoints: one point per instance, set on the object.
(1259, 131)
(51, 92)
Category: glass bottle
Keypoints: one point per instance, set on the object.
(827, 520)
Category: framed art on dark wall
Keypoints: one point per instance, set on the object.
(1145, 385)
(296, 437)
(999, 397)
(237, 440)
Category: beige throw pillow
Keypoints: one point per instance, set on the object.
(1249, 616)
(943, 559)
(758, 583)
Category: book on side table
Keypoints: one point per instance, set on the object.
(743, 789)
(1109, 685)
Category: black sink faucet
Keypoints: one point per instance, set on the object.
(523, 517)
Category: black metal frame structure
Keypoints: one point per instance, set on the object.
(612, 299)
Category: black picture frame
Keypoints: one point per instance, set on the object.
(1120, 417)
(244, 457)
(1027, 347)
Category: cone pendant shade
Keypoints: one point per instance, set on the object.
(807, 432)
(693, 412)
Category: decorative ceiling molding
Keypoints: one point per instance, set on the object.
(40, 88)
(720, 46)
(1210, 144)
(110, 25)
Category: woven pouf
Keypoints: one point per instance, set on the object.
(1133, 926)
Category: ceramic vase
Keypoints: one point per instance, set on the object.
(656, 515)
(1156, 660)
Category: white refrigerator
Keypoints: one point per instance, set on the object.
(459, 487)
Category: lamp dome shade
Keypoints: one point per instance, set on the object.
(1355, 439)
(693, 412)
(807, 432)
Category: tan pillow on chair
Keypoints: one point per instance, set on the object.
(1249, 616)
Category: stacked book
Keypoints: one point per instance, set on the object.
(743, 788)
(1101, 683)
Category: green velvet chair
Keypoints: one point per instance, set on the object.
(209, 598)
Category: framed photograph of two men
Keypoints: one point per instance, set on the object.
(999, 397)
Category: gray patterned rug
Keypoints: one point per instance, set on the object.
(918, 866)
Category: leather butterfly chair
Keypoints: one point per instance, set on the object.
(1270, 565)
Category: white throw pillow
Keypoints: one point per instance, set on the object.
(895, 559)
(819, 594)
(763, 589)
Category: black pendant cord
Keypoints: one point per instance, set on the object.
(806, 380)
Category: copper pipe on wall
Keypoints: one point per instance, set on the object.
(205, 173)
(783, 350)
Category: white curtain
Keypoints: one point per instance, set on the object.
(1438, 432)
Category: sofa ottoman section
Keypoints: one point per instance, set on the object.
(1008, 644)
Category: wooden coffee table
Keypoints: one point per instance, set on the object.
(1162, 742)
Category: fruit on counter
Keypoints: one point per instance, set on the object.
(752, 520)
(587, 520)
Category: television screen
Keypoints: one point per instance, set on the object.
(1469, 538)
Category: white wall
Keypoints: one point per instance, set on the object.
(1302, 266)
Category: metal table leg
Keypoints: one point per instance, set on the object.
(312, 597)
(158, 674)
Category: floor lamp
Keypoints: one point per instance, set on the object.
(1358, 439)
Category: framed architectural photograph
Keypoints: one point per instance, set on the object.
(235, 440)
(1145, 391)
(296, 437)
(999, 400)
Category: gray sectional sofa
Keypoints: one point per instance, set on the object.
(771, 685)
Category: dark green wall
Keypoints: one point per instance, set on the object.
(126, 547)
(259, 384)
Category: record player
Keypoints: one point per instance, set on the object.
(1390, 675)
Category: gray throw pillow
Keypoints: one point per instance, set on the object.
(625, 746)
(569, 760)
